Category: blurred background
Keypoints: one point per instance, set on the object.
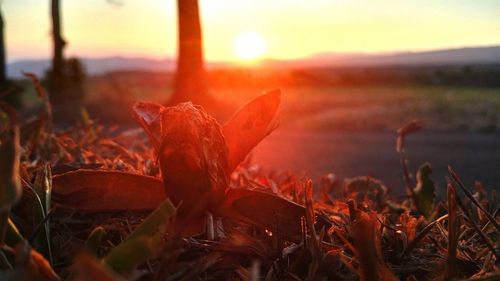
(351, 73)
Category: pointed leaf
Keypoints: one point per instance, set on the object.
(101, 191)
(144, 242)
(132, 253)
(148, 115)
(453, 232)
(250, 124)
(12, 234)
(43, 189)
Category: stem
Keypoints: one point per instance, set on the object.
(4, 216)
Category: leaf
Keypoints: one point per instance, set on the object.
(87, 268)
(36, 82)
(453, 233)
(10, 182)
(408, 128)
(363, 187)
(467, 193)
(149, 116)
(266, 210)
(46, 117)
(12, 234)
(367, 241)
(102, 191)
(153, 221)
(43, 189)
(421, 235)
(94, 240)
(144, 242)
(32, 264)
(425, 191)
(250, 124)
(132, 253)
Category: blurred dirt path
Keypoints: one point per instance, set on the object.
(346, 154)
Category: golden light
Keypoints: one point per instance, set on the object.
(249, 46)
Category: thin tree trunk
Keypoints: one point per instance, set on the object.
(3, 68)
(57, 82)
(58, 41)
(190, 79)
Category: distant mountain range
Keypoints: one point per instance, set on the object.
(461, 56)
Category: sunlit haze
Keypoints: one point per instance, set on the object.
(291, 28)
(249, 46)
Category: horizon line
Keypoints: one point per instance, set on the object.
(311, 56)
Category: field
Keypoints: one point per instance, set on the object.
(347, 108)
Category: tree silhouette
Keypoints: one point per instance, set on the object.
(56, 77)
(3, 68)
(190, 79)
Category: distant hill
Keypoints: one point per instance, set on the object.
(94, 66)
(462, 56)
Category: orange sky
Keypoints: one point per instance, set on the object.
(291, 28)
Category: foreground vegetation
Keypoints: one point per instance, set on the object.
(81, 205)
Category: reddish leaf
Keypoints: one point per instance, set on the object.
(250, 124)
(32, 265)
(266, 210)
(149, 116)
(407, 129)
(99, 191)
(453, 235)
(367, 241)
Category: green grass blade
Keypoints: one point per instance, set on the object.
(43, 189)
(143, 243)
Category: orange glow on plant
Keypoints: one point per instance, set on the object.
(249, 46)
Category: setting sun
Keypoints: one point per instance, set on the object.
(249, 46)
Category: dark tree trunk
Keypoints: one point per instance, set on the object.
(58, 41)
(56, 77)
(3, 68)
(190, 79)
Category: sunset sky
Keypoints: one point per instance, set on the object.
(290, 28)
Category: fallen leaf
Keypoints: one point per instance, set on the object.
(280, 216)
(101, 191)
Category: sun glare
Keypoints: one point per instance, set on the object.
(249, 46)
